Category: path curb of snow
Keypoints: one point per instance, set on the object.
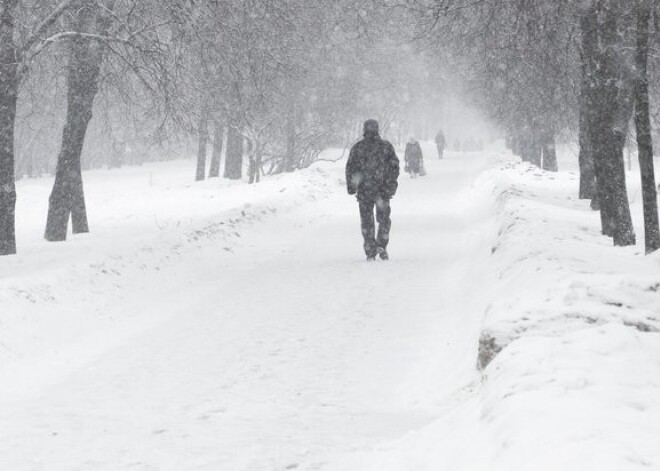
(569, 350)
(83, 283)
(549, 236)
(570, 346)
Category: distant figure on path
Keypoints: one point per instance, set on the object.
(422, 170)
(371, 174)
(441, 142)
(413, 159)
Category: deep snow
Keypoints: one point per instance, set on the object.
(221, 326)
(576, 385)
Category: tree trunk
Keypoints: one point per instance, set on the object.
(585, 157)
(515, 144)
(643, 127)
(549, 151)
(291, 137)
(590, 64)
(203, 136)
(602, 137)
(218, 135)
(85, 58)
(535, 154)
(606, 140)
(624, 233)
(587, 188)
(8, 98)
(234, 155)
(252, 163)
(258, 153)
(525, 145)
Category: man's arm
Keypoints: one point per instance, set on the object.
(391, 183)
(352, 171)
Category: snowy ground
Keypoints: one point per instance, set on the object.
(220, 326)
(576, 322)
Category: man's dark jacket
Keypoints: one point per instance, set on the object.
(372, 169)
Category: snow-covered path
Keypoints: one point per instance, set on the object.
(289, 353)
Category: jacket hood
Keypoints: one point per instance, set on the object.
(370, 128)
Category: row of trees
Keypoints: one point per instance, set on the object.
(83, 42)
(276, 81)
(565, 68)
(112, 81)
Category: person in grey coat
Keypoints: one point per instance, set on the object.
(414, 159)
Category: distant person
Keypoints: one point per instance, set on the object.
(372, 172)
(441, 143)
(413, 158)
(457, 145)
(422, 170)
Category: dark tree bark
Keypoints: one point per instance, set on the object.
(258, 153)
(85, 58)
(8, 98)
(535, 153)
(12, 68)
(234, 155)
(601, 136)
(255, 155)
(624, 232)
(252, 162)
(291, 137)
(525, 145)
(587, 189)
(601, 43)
(549, 151)
(515, 144)
(218, 135)
(643, 127)
(203, 137)
(588, 115)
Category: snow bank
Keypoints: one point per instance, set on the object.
(576, 323)
(569, 349)
(143, 219)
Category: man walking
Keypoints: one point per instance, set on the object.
(371, 173)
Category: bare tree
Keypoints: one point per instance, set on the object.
(218, 136)
(15, 58)
(601, 49)
(643, 125)
(85, 59)
(234, 155)
(203, 136)
(527, 69)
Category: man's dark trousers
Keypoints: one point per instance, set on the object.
(383, 211)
